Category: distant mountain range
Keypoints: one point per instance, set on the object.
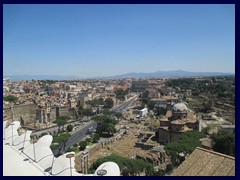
(177, 73)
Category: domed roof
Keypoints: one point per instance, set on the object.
(180, 107)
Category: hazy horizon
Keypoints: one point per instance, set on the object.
(115, 74)
(106, 40)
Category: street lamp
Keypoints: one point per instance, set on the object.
(52, 165)
(12, 132)
(34, 153)
(24, 139)
(53, 150)
(70, 155)
(12, 121)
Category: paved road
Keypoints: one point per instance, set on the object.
(54, 128)
(81, 132)
(124, 106)
(78, 135)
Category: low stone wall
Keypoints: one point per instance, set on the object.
(144, 146)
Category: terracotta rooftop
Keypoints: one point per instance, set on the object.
(190, 120)
(168, 114)
(164, 119)
(170, 97)
(178, 122)
(204, 162)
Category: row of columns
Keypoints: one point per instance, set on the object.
(84, 163)
(44, 115)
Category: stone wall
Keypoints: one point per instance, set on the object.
(53, 113)
(30, 113)
(144, 146)
(72, 113)
(24, 113)
(62, 111)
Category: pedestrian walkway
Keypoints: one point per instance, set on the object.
(23, 158)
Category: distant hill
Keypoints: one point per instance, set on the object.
(177, 73)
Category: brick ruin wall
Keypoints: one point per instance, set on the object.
(23, 113)
(30, 113)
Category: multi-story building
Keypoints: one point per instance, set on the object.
(139, 86)
(177, 121)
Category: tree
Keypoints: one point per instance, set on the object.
(110, 128)
(118, 114)
(60, 140)
(87, 112)
(188, 141)
(224, 142)
(158, 111)
(69, 150)
(95, 102)
(120, 94)
(104, 118)
(108, 103)
(107, 112)
(206, 130)
(83, 145)
(95, 137)
(75, 145)
(207, 107)
(106, 125)
(69, 128)
(10, 98)
(127, 166)
(113, 113)
(61, 121)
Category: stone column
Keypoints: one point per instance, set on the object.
(41, 115)
(46, 118)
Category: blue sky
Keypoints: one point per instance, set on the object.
(103, 40)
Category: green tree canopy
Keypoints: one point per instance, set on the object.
(87, 112)
(10, 98)
(108, 103)
(107, 112)
(62, 138)
(95, 137)
(120, 93)
(83, 145)
(95, 102)
(188, 141)
(127, 166)
(103, 128)
(69, 128)
(106, 125)
(118, 114)
(224, 142)
(61, 121)
(104, 118)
